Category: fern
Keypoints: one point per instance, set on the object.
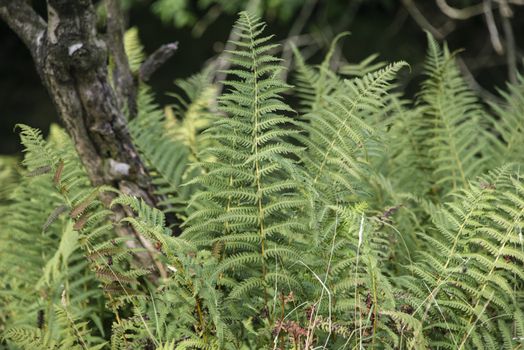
(509, 125)
(365, 220)
(55, 268)
(313, 84)
(453, 128)
(134, 49)
(170, 141)
(475, 236)
(246, 192)
(339, 132)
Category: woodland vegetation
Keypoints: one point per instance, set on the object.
(315, 206)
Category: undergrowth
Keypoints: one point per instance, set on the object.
(332, 214)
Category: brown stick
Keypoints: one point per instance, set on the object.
(460, 14)
(492, 27)
(157, 59)
(419, 18)
(509, 36)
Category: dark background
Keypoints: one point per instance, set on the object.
(385, 27)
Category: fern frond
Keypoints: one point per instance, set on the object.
(509, 125)
(463, 277)
(454, 132)
(134, 49)
(338, 134)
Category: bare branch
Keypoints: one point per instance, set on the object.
(156, 60)
(460, 14)
(25, 22)
(492, 27)
(421, 20)
(511, 54)
(210, 17)
(296, 29)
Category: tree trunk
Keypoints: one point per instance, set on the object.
(72, 62)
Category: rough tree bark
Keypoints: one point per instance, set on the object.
(71, 59)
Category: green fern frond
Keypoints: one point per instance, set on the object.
(509, 125)
(454, 133)
(478, 228)
(246, 201)
(25, 338)
(338, 134)
(134, 49)
(317, 82)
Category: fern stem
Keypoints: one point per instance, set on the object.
(201, 318)
(375, 302)
(256, 116)
(451, 141)
(78, 335)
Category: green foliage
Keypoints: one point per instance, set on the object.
(182, 12)
(364, 220)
